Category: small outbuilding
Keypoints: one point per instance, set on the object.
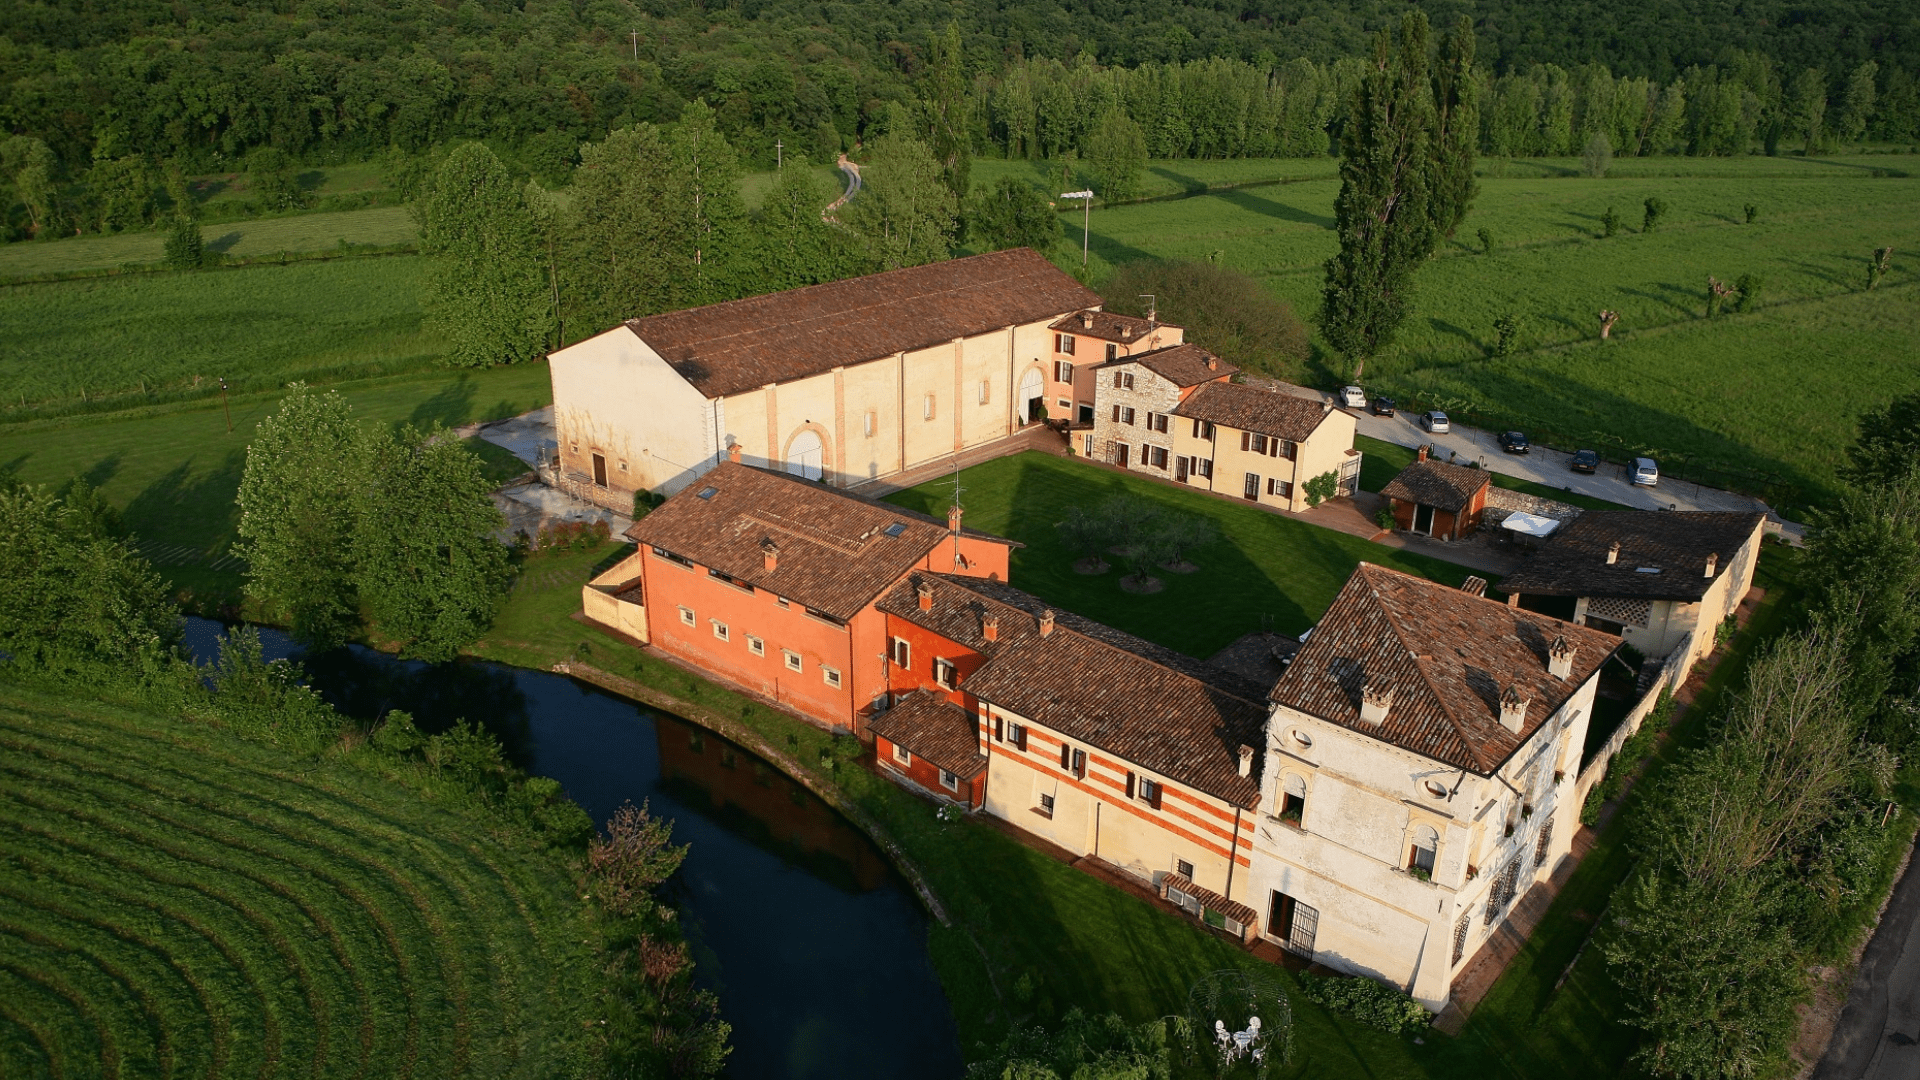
(932, 744)
(1436, 499)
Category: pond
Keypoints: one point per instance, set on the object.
(816, 947)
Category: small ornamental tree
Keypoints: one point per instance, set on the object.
(1610, 222)
(1011, 215)
(185, 249)
(1753, 213)
(1746, 292)
(633, 858)
(1486, 240)
(1087, 533)
(1597, 158)
(1656, 208)
(1506, 330)
(1181, 534)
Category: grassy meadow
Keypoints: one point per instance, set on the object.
(248, 239)
(175, 901)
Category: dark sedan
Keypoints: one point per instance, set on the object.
(1513, 442)
(1383, 406)
(1585, 461)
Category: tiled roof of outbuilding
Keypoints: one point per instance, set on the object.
(740, 345)
(1447, 655)
(1181, 365)
(930, 726)
(1162, 711)
(1108, 326)
(834, 551)
(1252, 408)
(1437, 484)
(1675, 543)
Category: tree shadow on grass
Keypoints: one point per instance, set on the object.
(1186, 183)
(1676, 297)
(1830, 274)
(1460, 332)
(1246, 200)
(451, 406)
(223, 243)
(191, 505)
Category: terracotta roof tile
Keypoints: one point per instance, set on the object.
(739, 345)
(1447, 655)
(1677, 543)
(930, 726)
(1160, 710)
(834, 551)
(1181, 365)
(1252, 408)
(1107, 326)
(1437, 484)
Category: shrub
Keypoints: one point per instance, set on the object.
(1506, 329)
(1610, 222)
(1376, 1005)
(1656, 209)
(1322, 487)
(644, 502)
(1234, 314)
(1383, 517)
(1486, 240)
(185, 249)
(1753, 213)
(1597, 158)
(1746, 292)
(1590, 810)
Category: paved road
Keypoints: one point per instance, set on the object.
(851, 170)
(1878, 1037)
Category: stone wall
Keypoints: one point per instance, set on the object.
(1501, 502)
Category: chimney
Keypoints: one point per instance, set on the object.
(924, 590)
(1474, 586)
(1613, 553)
(1086, 320)
(953, 519)
(1422, 456)
(1213, 363)
(1513, 710)
(770, 553)
(1560, 658)
(1713, 562)
(990, 628)
(1126, 333)
(733, 453)
(1376, 697)
(1246, 760)
(1046, 622)
(1513, 600)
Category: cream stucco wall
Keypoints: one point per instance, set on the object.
(1325, 450)
(1347, 857)
(615, 396)
(1669, 621)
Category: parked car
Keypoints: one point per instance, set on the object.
(1514, 442)
(1436, 422)
(1585, 461)
(1353, 397)
(1383, 406)
(1646, 471)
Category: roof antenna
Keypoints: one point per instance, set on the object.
(955, 505)
(1153, 307)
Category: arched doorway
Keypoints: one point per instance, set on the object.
(805, 455)
(1033, 404)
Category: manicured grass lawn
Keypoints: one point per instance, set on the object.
(1265, 566)
(241, 239)
(1381, 461)
(174, 470)
(176, 901)
(64, 346)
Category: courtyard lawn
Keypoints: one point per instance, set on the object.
(1267, 570)
(174, 470)
(1382, 461)
(123, 342)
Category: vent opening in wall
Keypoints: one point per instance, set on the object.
(1436, 789)
(1302, 738)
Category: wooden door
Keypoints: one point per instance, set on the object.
(1120, 453)
(599, 470)
(1423, 519)
(1180, 469)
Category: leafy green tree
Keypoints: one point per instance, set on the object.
(622, 234)
(1857, 104)
(1117, 150)
(1746, 292)
(905, 213)
(796, 244)
(120, 191)
(184, 247)
(1656, 209)
(1456, 131)
(1239, 318)
(1887, 446)
(1807, 108)
(1597, 158)
(1486, 240)
(1013, 215)
(1322, 487)
(1610, 222)
(1506, 333)
(486, 289)
(949, 110)
(1381, 213)
(30, 164)
(716, 247)
(426, 563)
(306, 469)
(79, 601)
(274, 178)
(1863, 566)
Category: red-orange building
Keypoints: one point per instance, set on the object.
(1436, 499)
(769, 580)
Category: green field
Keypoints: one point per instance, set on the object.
(177, 902)
(175, 470)
(1264, 567)
(251, 239)
(66, 345)
(1772, 393)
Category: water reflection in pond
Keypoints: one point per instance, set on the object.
(816, 948)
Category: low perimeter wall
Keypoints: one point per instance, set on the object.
(1674, 672)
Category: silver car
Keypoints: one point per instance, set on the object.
(1436, 422)
(1646, 472)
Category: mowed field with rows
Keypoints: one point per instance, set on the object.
(1774, 391)
(175, 902)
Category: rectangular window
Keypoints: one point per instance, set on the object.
(831, 676)
(949, 781)
(872, 421)
(1282, 488)
(1113, 351)
(1460, 937)
(902, 755)
(1063, 343)
(686, 615)
(1252, 487)
(1148, 791)
(1086, 445)
(1255, 442)
(792, 658)
(945, 673)
(926, 407)
(1045, 809)
(902, 653)
(1157, 456)
(1119, 380)
(1063, 371)
(1204, 467)
(1288, 448)
(1126, 415)
(1063, 403)
(986, 391)
(720, 630)
(756, 646)
(1183, 868)
(677, 560)
(1116, 414)
(1293, 924)
(1017, 734)
(1157, 422)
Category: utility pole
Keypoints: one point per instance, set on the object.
(224, 407)
(779, 155)
(1086, 218)
(635, 35)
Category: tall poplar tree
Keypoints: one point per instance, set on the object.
(948, 107)
(796, 244)
(1117, 150)
(715, 219)
(624, 231)
(905, 213)
(1386, 176)
(298, 498)
(1456, 130)
(486, 291)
